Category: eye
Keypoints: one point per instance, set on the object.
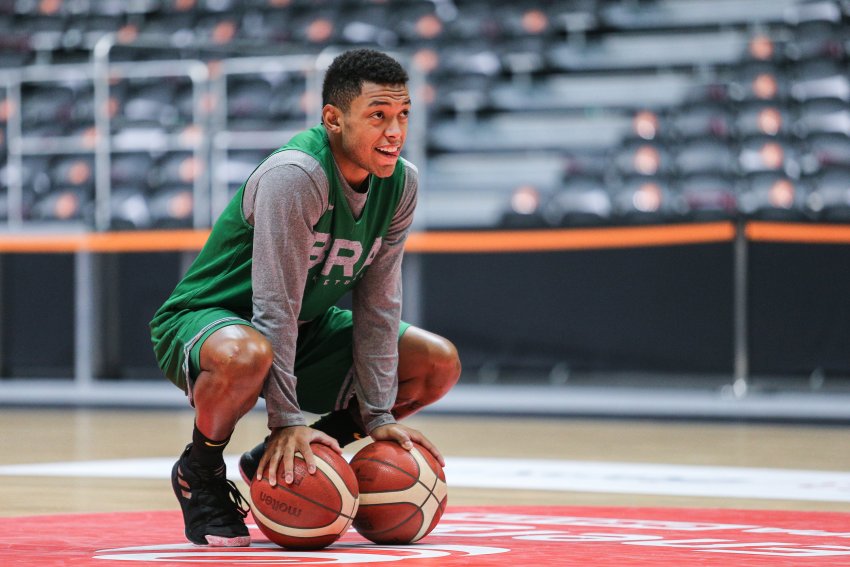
(379, 115)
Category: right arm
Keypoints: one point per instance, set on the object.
(283, 202)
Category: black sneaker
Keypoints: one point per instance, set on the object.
(213, 509)
(250, 461)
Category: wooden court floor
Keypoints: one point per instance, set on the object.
(50, 435)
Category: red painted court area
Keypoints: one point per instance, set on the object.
(481, 536)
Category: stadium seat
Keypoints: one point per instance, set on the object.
(704, 155)
(176, 168)
(580, 201)
(74, 171)
(829, 197)
(820, 78)
(768, 153)
(646, 200)
(655, 50)
(701, 118)
(823, 115)
(762, 118)
(525, 209)
(772, 196)
(63, 204)
(708, 196)
(625, 14)
(129, 208)
(46, 103)
(172, 207)
(825, 150)
(131, 169)
(248, 97)
(642, 157)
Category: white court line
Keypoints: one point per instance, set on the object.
(539, 474)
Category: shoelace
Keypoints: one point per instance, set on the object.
(226, 489)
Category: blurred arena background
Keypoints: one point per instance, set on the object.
(629, 207)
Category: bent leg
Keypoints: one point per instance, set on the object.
(234, 363)
(428, 367)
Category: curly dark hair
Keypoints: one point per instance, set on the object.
(347, 73)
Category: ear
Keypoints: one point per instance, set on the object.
(332, 118)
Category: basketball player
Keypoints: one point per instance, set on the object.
(255, 316)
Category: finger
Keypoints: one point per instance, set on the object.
(288, 464)
(309, 458)
(402, 438)
(433, 450)
(273, 464)
(261, 466)
(327, 440)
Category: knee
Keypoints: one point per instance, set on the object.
(242, 360)
(444, 363)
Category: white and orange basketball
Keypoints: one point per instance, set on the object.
(315, 509)
(403, 493)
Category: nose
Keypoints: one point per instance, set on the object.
(394, 129)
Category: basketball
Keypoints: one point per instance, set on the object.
(313, 511)
(402, 493)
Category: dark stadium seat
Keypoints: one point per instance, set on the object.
(762, 118)
(248, 97)
(642, 157)
(829, 197)
(646, 200)
(368, 24)
(708, 196)
(816, 39)
(704, 155)
(698, 119)
(46, 103)
(591, 90)
(580, 201)
(820, 78)
(172, 207)
(417, 22)
(73, 171)
(824, 150)
(823, 115)
(129, 208)
(772, 196)
(768, 153)
(131, 169)
(288, 99)
(474, 21)
(266, 26)
(691, 13)
(176, 168)
(525, 209)
(317, 25)
(63, 204)
(655, 50)
(759, 80)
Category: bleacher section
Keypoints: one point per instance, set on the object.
(149, 113)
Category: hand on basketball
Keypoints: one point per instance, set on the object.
(282, 445)
(403, 435)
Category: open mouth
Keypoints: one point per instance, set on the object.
(391, 151)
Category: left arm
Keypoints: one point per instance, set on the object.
(376, 306)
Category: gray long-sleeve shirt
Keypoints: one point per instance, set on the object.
(284, 199)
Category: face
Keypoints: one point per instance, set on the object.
(368, 137)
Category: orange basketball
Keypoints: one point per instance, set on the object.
(402, 493)
(315, 509)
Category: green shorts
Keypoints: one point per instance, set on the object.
(323, 352)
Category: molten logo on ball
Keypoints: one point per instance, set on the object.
(312, 512)
(402, 493)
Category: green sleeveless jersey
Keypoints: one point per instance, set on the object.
(344, 247)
